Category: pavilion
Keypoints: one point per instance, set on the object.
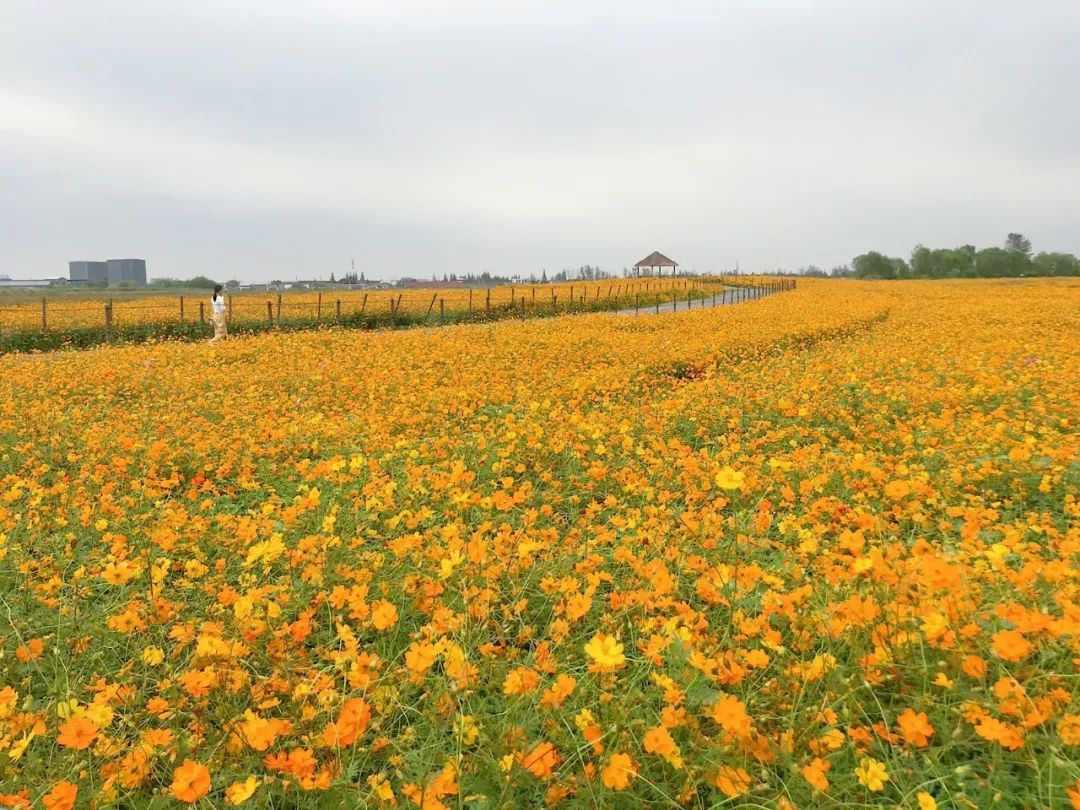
(656, 260)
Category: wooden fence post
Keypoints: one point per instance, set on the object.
(108, 323)
(522, 299)
(637, 302)
(318, 308)
(270, 313)
(181, 309)
(397, 307)
(44, 320)
(337, 309)
(279, 307)
(470, 300)
(363, 305)
(431, 306)
(202, 313)
(511, 297)
(442, 310)
(230, 309)
(487, 302)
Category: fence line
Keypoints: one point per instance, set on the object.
(417, 308)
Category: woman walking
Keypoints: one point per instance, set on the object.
(217, 314)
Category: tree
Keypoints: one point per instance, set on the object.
(1018, 243)
(543, 277)
(331, 278)
(202, 282)
(875, 265)
(1000, 263)
(1056, 264)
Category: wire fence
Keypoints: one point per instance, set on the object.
(51, 323)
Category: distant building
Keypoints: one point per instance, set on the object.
(88, 272)
(127, 271)
(114, 272)
(25, 283)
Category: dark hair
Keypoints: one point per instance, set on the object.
(217, 288)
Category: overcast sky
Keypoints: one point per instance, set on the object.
(276, 139)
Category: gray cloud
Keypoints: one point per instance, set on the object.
(271, 139)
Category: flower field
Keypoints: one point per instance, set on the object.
(816, 550)
(141, 309)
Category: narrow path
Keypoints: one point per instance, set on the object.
(726, 297)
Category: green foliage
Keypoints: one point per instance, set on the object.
(875, 265)
(1011, 261)
(1018, 243)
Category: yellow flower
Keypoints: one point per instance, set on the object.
(240, 792)
(926, 801)
(466, 729)
(381, 786)
(65, 708)
(606, 652)
(872, 774)
(152, 656)
(729, 479)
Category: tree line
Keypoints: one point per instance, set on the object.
(1012, 260)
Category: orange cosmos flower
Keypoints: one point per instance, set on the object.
(915, 727)
(619, 772)
(732, 781)
(897, 490)
(77, 733)
(658, 741)
(1069, 729)
(814, 773)
(61, 797)
(191, 781)
(31, 651)
(541, 760)
(730, 714)
(420, 656)
(558, 692)
(383, 615)
(352, 722)
(520, 681)
(1010, 645)
(973, 666)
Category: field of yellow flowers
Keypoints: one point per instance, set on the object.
(81, 309)
(817, 550)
